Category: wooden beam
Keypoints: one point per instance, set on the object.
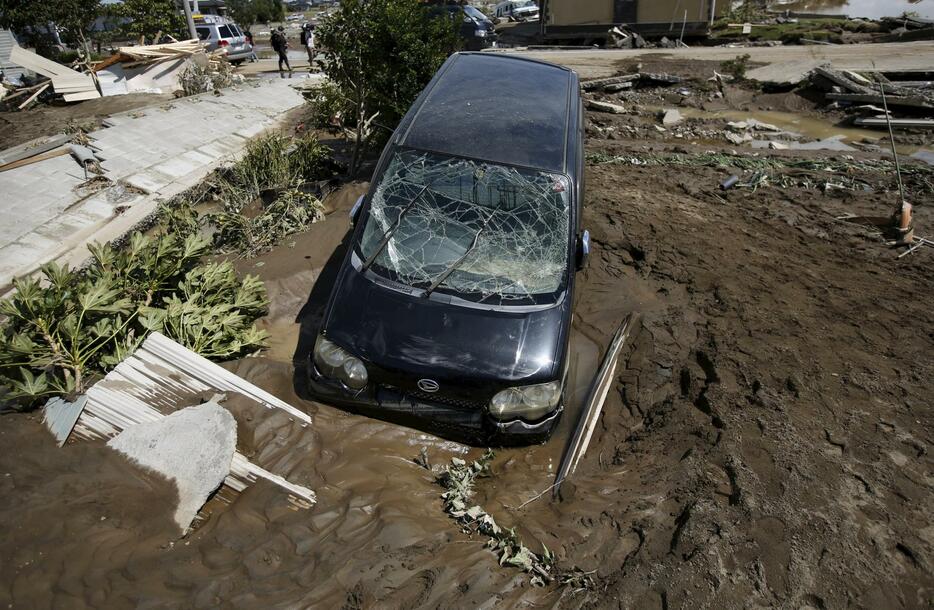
(900, 123)
(35, 159)
(34, 96)
(912, 102)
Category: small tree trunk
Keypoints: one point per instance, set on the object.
(355, 158)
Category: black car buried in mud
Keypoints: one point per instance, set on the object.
(452, 309)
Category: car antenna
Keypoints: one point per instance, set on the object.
(392, 229)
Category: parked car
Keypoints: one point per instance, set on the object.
(452, 308)
(517, 10)
(476, 29)
(221, 33)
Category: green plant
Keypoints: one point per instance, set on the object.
(289, 213)
(69, 326)
(380, 54)
(148, 20)
(458, 481)
(248, 12)
(73, 18)
(330, 109)
(736, 67)
(273, 167)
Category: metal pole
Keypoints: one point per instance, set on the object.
(683, 23)
(888, 121)
(191, 22)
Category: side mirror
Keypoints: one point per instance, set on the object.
(583, 249)
(355, 210)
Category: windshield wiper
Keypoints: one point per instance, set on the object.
(459, 261)
(392, 229)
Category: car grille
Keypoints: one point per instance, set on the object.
(457, 403)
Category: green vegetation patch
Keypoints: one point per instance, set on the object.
(68, 327)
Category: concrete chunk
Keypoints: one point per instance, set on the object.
(671, 117)
(605, 107)
(193, 447)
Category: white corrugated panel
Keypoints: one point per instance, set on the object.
(154, 381)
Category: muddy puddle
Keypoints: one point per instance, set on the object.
(372, 498)
(807, 127)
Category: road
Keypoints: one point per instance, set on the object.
(782, 62)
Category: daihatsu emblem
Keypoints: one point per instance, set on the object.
(428, 385)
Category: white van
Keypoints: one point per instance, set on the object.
(517, 10)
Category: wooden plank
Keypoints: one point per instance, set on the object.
(898, 123)
(912, 102)
(37, 63)
(590, 85)
(32, 148)
(35, 159)
(80, 97)
(593, 406)
(841, 80)
(23, 91)
(34, 96)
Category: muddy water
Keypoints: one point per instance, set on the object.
(371, 495)
(872, 9)
(808, 127)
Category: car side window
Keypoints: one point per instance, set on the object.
(203, 33)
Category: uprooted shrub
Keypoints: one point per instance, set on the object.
(217, 73)
(68, 327)
(458, 480)
(264, 195)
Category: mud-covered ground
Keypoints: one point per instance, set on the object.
(766, 443)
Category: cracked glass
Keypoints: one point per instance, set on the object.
(476, 229)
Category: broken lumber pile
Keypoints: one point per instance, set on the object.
(147, 54)
(73, 85)
(162, 68)
(853, 91)
(641, 78)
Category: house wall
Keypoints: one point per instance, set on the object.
(587, 12)
(574, 12)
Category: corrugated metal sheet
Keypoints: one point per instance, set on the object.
(60, 416)
(155, 380)
(7, 42)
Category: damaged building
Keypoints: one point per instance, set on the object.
(590, 20)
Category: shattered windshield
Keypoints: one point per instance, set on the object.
(476, 229)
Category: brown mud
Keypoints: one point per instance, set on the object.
(766, 444)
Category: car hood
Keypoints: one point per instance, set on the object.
(402, 332)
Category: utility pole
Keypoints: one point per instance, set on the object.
(191, 22)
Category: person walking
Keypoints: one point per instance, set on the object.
(249, 38)
(280, 45)
(309, 43)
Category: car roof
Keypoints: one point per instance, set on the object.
(496, 108)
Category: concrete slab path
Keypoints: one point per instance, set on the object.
(149, 154)
(783, 62)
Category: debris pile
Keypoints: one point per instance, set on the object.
(164, 68)
(458, 481)
(181, 66)
(877, 102)
(140, 408)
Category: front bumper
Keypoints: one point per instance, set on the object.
(464, 425)
(245, 53)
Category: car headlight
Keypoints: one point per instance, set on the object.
(481, 33)
(529, 402)
(335, 362)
